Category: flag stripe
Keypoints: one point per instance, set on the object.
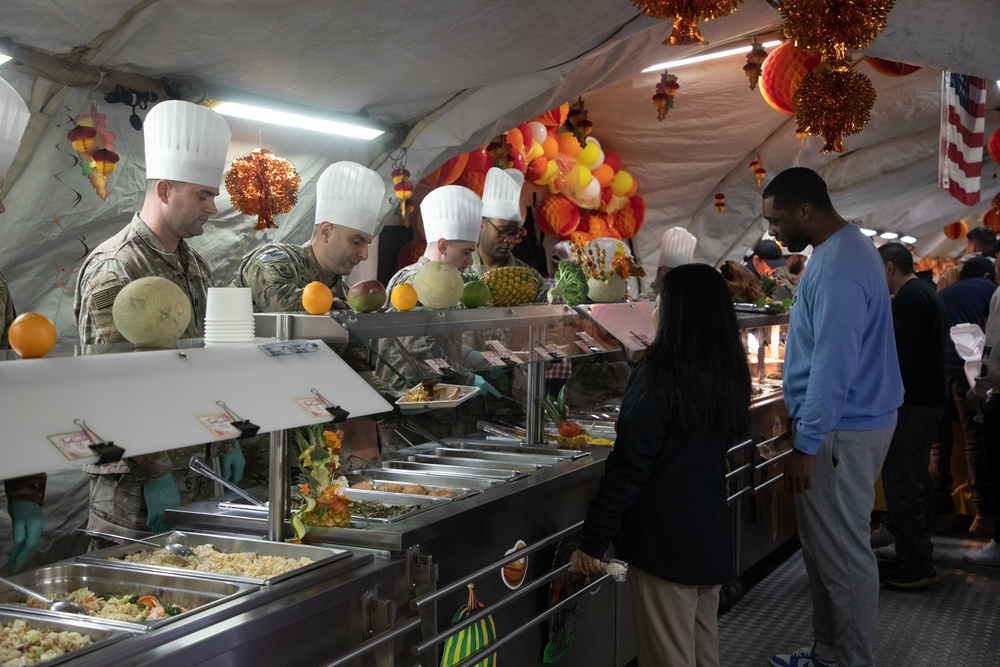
(963, 124)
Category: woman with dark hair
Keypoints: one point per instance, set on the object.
(662, 499)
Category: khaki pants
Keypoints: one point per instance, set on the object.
(675, 624)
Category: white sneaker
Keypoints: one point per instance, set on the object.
(881, 537)
(988, 555)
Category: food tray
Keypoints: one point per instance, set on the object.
(453, 469)
(191, 592)
(467, 392)
(423, 504)
(533, 450)
(509, 465)
(101, 634)
(462, 487)
(225, 543)
(518, 458)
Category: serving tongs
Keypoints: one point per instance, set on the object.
(416, 428)
(176, 548)
(66, 606)
(202, 468)
(506, 431)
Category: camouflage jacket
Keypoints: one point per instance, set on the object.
(276, 274)
(135, 253)
(477, 269)
(7, 312)
(30, 488)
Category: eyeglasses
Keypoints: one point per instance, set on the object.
(513, 237)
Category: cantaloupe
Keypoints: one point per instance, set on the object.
(611, 291)
(438, 285)
(151, 312)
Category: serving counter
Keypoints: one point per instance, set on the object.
(506, 513)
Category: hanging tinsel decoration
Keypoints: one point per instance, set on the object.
(833, 102)
(720, 202)
(834, 26)
(578, 122)
(264, 185)
(401, 181)
(664, 97)
(686, 14)
(755, 61)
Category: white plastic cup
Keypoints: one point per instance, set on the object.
(229, 304)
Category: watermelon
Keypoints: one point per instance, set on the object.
(467, 641)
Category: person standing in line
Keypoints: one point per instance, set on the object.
(977, 241)
(186, 148)
(677, 247)
(687, 402)
(842, 387)
(921, 329)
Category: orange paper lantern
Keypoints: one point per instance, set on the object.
(956, 230)
(992, 219)
(782, 73)
(558, 216)
(554, 118)
(475, 180)
(993, 147)
(890, 67)
(536, 169)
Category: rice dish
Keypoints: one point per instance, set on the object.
(243, 564)
(21, 645)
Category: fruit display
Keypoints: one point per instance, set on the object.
(403, 297)
(511, 285)
(571, 434)
(438, 285)
(475, 294)
(316, 298)
(366, 296)
(32, 335)
(571, 284)
(611, 290)
(151, 312)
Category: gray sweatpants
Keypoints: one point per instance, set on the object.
(833, 520)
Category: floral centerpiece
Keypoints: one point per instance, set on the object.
(322, 494)
(606, 281)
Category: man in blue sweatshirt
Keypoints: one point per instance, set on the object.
(842, 388)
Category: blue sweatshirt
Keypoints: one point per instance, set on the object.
(841, 369)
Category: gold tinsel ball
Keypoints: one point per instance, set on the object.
(830, 103)
(264, 185)
(686, 14)
(833, 26)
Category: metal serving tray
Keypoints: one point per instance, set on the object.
(508, 457)
(423, 504)
(519, 449)
(63, 578)
(453, 469)
(462, 487)
(509, 465)
(224, 543)
(101, 635)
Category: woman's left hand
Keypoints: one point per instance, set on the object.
(585, 563)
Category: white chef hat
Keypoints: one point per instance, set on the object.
(452, 213)
(186, 142)
(14, 116)
(502, 194)
(677, 247)
(350, 195)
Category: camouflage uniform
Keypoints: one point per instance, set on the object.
(651, 293)
(7, 314)
(477, 269)
(117, 504)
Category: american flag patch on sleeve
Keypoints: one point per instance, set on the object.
(105, 298)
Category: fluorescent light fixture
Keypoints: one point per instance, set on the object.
(868, 232)
(907, 239)
(889, 235)
(345, 128)
(708, 56)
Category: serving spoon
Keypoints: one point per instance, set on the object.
(67, 606)
(176, 548)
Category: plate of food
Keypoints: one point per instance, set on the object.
(436, 395)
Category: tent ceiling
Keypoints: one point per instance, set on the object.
(450, 74)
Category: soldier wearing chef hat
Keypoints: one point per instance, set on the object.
(676, 249)
(502, 227)
(348, 198)
(186, 147)
(25, 495)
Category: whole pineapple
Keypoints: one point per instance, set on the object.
(511, 285)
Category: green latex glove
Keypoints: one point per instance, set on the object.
(485, 386)
(160, 494)
(232, 464)
(26, 520)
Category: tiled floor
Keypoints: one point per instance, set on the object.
(957, 624)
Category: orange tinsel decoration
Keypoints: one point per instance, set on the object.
(686, 14)
(264, 185)
(830, 103)
(833, 26)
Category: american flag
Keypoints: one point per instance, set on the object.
(963, 120)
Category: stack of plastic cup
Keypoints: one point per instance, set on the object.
(229, 315)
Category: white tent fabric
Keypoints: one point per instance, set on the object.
(447, 75)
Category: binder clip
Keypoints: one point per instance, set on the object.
(337, 413)
(108, 452)
(245, 427)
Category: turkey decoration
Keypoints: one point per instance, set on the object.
(592, 195)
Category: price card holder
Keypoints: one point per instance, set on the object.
(73, 445)
(288, 347)
(107, 452)
(587, 342)
(439, 366)
(506, 356)
(220, 425)
(493, 358)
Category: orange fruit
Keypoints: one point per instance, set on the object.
(316, 298)
(403, 297)
(32, 335)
